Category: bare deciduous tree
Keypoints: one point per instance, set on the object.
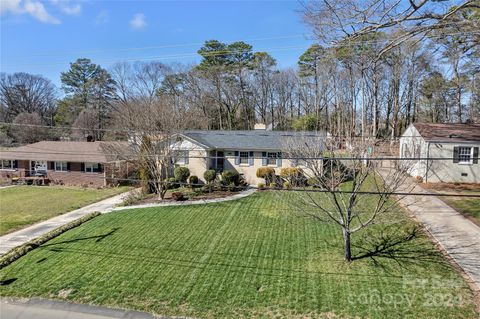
(351, 192)
(27, 93)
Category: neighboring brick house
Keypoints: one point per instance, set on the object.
(446, 152)
(242, 151)
(64, 162)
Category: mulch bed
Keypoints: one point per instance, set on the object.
(153, 198)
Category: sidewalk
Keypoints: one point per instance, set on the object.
(24, 235)
(455, 233)
(49, 309)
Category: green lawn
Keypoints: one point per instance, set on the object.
(468, 207)
(24, 205)
(251, 258)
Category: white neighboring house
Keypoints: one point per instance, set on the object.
(446, 152)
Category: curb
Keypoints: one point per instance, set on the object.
(80, 308)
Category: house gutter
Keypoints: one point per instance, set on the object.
(426, 167)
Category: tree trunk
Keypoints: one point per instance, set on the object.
(347, 245)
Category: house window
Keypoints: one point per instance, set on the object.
(465, 155)
(92, 167)
(243, 157)
(60, 166)
(272, 158)
(6, 164)
(181, 157)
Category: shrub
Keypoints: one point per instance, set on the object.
(273, 185)
(293, 175)
(181, 174)
(312, 181)
(261, 185)
(178, 196)
(193, 180)
(286, 185)
(172, 183)
(210, 175)
(133, 197)
(267, 173)
(231, 177)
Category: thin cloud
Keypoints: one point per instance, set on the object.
(36, 9)
(138, 21)
(71, 9)
(101, 18)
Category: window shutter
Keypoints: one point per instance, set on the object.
(68, 166)
(187, 155)
(15, 164)
(237, 158)
(279, 159)
(82, 167)
(455, 154)
(100, 168)
(264, 159)
(250, 159)
(52, 165)
(475, 155)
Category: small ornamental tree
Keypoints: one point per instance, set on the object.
(181, 174)
(267, 173)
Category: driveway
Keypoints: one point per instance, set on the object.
(456, 234)
(24, 235)
(47, 309)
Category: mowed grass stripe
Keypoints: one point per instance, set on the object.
(254, 257)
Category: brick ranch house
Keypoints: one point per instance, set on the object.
(242, 151)
(446, 152)
(64, 162)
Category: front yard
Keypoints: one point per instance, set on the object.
(252, 258)
(24, 205)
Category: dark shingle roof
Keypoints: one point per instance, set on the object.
(251, 140)
(67, 151)
(438, 132)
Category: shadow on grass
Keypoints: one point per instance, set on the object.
(406, 248)
(97, 238)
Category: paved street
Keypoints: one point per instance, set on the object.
(24, 235)
(46, 309)
(456, 234)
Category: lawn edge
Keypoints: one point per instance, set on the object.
(22, 250)
(62, 213)
(451, 261)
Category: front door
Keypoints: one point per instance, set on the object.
(220, 161)
(39, 166)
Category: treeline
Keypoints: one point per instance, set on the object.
(346, 89)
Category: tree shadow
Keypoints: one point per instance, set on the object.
(98, 238)
(406, 248)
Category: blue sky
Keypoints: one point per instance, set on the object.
(42, 37)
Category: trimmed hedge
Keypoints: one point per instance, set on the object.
(181, 174)
(22, 250)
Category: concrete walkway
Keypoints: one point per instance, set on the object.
(455, 233)
(243, 194)
(48, 309)
(24, 235)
